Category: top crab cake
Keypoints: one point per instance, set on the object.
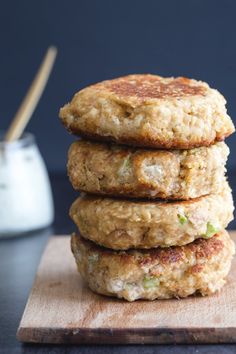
(150, 111)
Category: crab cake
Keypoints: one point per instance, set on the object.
(199, 267)
(123, 224)
(109, 169)
(150, 111)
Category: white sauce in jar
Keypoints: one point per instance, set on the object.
(25, 194)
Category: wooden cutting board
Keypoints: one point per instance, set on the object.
(61, 309)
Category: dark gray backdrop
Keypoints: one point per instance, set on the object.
(101, 39)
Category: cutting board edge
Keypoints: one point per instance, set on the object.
(127, 336)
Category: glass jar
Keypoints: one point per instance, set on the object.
(26, 202)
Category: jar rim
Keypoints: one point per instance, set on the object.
(25, 140)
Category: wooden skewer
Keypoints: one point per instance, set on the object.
(32, 97)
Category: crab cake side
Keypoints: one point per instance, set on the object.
(149, 110)
(121, 171)
(199, 267)
(123, 224)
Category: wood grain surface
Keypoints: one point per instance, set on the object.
(61, 309)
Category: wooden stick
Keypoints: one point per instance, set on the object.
(32, 97)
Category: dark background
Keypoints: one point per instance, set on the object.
(102, 39)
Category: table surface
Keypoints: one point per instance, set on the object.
(19, 258)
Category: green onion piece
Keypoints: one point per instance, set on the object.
(182, 219)
(210, 231)
(150, 282)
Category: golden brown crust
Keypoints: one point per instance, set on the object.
(151, 86)
(147, 142)
(106, 169)
(201, 248)
(158, 273)
(122, 224)
(149, 111)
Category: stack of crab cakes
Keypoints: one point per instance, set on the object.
(155, 200)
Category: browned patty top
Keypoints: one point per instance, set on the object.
(202, 248)
(152, 86)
